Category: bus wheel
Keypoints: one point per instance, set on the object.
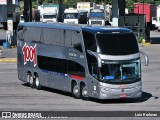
(84, 92)
(75, 90)
(37, 82)
(31, 81)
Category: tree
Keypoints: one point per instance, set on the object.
(72, 3)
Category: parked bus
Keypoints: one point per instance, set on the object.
(88, 61)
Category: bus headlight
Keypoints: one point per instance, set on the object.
(105, 89)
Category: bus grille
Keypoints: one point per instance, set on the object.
(96, 22)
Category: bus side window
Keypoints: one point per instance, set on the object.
(76, 41)
(89, 41)
(75, 69)
(35, 34)
(50, 64)
(52, 36)
(68, 38)
(32, 34)
(62, 34)
(20, 34)
(73, 39)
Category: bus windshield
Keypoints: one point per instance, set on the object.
(120, 71)
(116, 43)
(70, 15)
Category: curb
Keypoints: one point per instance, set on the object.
(146, 44)
(8, 60)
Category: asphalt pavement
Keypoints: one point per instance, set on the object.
(8, 55)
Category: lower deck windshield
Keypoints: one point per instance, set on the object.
(119, 71)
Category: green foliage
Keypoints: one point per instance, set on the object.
(140, 39)
(34, 5)
(157, 2)
(129, 5)
(72, 3)
(104, 1)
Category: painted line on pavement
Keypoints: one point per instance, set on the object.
(8, 60)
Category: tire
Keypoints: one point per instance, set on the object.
(30, 80)
(75, 90)
(37, 83)
(84, 92)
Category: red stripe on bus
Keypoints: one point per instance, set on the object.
(77, 77)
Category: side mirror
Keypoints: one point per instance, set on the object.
(146, 58)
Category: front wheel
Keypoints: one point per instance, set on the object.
(84, 92)
(37, 83)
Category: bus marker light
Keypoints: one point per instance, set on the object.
(77, 77)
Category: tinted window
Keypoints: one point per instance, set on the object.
(68, 38)
(75, 69)
(33, 34)
(120, 71)
(50, 64)
(92, 64)
(76, 41)
(117, 44)
(52, 36)
(60, 66)
(73, 39)
(20, 35)
(89, 41)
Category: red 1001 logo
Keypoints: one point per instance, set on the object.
(29, 53)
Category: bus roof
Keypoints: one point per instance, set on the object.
(52, 25)
(105, 29)
(87, 28)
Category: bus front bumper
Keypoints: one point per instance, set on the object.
(108, 91)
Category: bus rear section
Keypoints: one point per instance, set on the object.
(51, 55)
(98, 62)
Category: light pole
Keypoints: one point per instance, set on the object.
(118, 9)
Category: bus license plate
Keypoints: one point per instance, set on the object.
(123, 96)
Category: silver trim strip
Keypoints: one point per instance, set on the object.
(121, 57)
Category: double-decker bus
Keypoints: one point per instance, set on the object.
(88, 61)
